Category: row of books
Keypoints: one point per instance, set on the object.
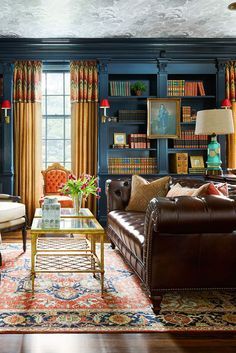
(188, 114)
(188, 139)
(138, 141)
(137, 115)
(126, 165)
(120, 88)
(185, 88)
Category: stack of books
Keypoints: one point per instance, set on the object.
(186, 113)
(175, 87)
(197, 170)
(120, 88)
(132, 165)
(138, 141)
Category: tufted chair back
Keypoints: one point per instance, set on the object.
(53, 177)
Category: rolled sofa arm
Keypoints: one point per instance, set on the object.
(118, 194)
(187, 214)
(6, 197)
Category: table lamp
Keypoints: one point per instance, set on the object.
(214, 122)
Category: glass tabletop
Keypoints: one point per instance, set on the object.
(79, 225)
(69, 212)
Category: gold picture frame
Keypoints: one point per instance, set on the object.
(197, 162)
(119, 138)
(163, 118)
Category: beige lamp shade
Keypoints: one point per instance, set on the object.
(214, 121)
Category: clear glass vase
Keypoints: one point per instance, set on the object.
(77, 201)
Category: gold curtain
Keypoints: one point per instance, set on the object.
(230, 88)
(84, 120)
(27, 133)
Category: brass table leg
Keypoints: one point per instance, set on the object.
(93, 251)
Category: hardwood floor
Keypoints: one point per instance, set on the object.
(114, 343)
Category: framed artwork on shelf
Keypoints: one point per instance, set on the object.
(119, 138)
(163, 118)
(197, 161)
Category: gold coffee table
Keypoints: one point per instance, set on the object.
(58, 254)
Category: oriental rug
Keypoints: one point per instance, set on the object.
(72, 302)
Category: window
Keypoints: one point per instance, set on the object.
(56, 124)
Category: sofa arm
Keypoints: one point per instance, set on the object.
(6, 197)
(186, 214)
(118, 194)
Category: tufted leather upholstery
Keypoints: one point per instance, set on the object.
(53, 177)
(180, 243)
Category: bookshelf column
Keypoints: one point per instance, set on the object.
(162, 144)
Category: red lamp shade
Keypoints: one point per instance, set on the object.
(225, 103)
(6, 104)
(104, 103)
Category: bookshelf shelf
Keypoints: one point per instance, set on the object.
(131, 149)
(193, 97)
(114, 98)
(124, 123)
(173, 150)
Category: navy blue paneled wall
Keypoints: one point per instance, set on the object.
(157, 57)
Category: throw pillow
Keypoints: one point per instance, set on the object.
(218, 189)
(178, 190)
(142, 191)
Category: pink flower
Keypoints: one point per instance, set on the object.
(98, 189)
(62, 185)
(72, 177)
(84, 186)
(98, 197)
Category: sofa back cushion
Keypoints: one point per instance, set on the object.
(142, 191)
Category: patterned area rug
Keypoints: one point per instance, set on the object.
(72, 303)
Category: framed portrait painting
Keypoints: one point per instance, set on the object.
(163, 118)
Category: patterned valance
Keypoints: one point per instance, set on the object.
(230, 80)
(84, 81)
(27, 81)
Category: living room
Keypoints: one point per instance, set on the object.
(117, 144)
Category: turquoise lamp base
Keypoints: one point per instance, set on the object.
(213, 157)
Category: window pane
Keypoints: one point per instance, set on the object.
(55, 128)
(43, 105)
(43, 128)
(54, 83)
(67, 128)
(55, 105)
(67, 105)
(67, 150)
(67, 166)
(55, 150)
(43, 151)
(67, 83)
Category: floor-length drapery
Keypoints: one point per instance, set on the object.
(84, 120)
(230, 80)
(27, 133)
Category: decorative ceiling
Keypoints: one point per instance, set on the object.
(117, 18)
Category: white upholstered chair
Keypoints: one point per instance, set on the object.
(12, 216)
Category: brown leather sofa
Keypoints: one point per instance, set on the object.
(180, 243)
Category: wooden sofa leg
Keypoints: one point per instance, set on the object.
(156, 303)
(112, 245)
(24, 237)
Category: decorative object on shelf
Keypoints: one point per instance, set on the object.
(197, 162)
(214, 122)
(51, 212)
(178, 163)
(138, 88)
(119, 138)
(6, 104)
(104, 105)
(80, 188)
(163, 118)
(225, 103)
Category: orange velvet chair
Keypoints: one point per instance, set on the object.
(53, 177)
